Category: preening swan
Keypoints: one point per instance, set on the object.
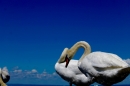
(71, 74)
(107, 68)
(1, 81)
(5, 75)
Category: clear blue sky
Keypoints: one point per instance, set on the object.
(33, 33)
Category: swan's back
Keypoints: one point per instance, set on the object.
(105, 60)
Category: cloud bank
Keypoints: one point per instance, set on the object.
(19, 76)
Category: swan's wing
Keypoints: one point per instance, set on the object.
(72, 66)
(105, 60)
(68, 73)
(82, 79)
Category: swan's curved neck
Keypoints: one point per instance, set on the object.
(75, 47)
(60, 60)
(2, 83)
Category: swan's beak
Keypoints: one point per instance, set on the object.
(67, 60)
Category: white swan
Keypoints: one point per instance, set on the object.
(5, 75)
(1, 80)
(107, 68)
(71, 74)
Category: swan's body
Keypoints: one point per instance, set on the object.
(5, 75)
(107, 68)
(72, 74)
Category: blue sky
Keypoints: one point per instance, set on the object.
(33, 33)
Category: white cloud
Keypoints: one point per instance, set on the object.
(55, 74)
(127, 60)
(17, 71)
(33, 77)
(34, 71)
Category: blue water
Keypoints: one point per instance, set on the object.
(53, 85)
(33, 85)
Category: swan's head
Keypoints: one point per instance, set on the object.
(64, 57)
(4, 75)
